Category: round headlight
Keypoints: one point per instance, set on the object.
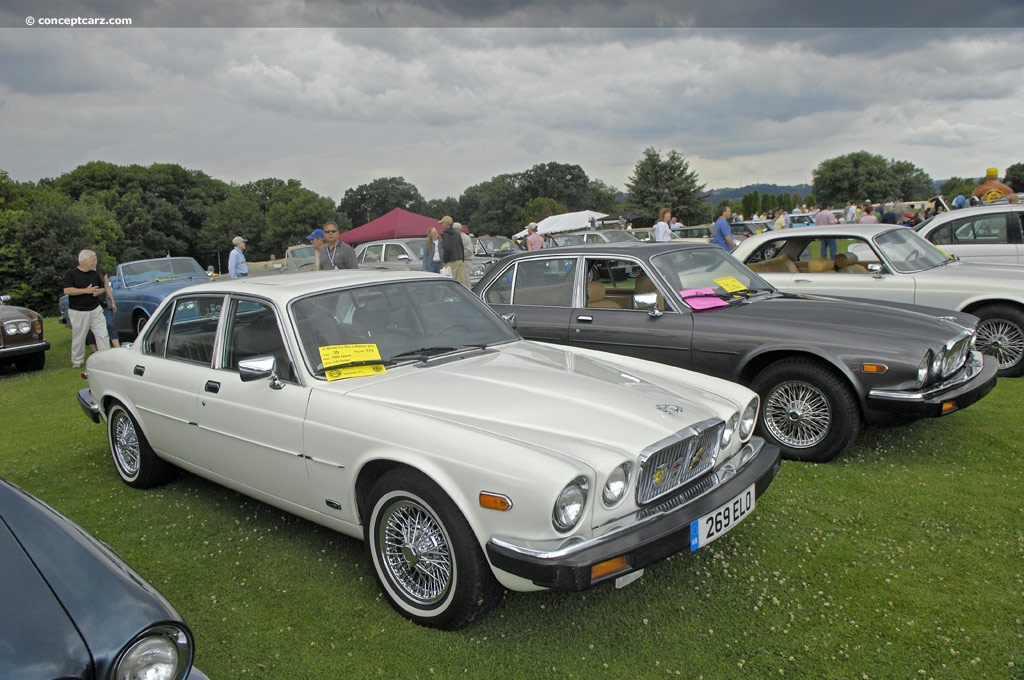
(11, 328)
(935, 371)
(923, 369)
(749, 419)
(24, 327)
(730, 429)
(615, 487)
(163, 654)
(569, 506)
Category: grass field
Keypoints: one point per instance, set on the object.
(904, 559)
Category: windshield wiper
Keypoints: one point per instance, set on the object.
(424, 353)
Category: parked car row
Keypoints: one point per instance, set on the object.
(407, 254)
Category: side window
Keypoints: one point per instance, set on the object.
(252, 331)
(155, 341)
(192, 329)
(612, 283)
(942, 235)
(546, 282)
(986, 229)
(371, 253)
(393, 252)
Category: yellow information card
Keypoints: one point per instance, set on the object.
(338, 355)
(731, 284)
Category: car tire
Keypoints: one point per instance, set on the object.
(807, 410)
(446, 587)
(31, 362)
(1001, 335)
(136, 463)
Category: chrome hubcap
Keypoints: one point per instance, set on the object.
(126, 444)
(1001, 339)
(797, 414)
(416, 552)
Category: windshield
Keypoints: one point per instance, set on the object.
(407, 320)
(907, 251)
(163, 269)
(495, 244)
(708, 268)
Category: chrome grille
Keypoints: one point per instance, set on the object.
(677, 460)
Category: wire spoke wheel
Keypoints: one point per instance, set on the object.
(1001, 339)
(798, 414)
(416, 552)
(125, 442)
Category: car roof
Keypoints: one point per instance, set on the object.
(404, 239)
(638, 248)
(288, 286)
(828, 230)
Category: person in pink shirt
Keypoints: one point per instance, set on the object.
(534, 241)
(869, 215)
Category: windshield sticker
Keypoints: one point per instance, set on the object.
(351, 361)
(702, 298)
(731, 284)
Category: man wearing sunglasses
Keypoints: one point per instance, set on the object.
(336, 254)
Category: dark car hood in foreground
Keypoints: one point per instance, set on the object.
(845, 321)
(49, 562)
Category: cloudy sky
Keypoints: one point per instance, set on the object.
(449, 93)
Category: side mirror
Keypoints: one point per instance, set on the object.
(510, 319)
(404, 258)
(645, 301)
(876, 269)
(4, 299)
(257, 368)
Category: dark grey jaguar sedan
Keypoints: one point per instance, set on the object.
(71, 608)
(822, 366)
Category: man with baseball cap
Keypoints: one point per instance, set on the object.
(317, 240)
(237, 266)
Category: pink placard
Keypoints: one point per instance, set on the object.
(695, 298)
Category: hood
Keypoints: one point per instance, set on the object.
(568, 401)
(1004, 274)
(870, 323)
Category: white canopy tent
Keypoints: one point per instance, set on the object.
(573, 221)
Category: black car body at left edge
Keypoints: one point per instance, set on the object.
(71, 608)
(822, 366)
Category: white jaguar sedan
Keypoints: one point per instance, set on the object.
(397, 408)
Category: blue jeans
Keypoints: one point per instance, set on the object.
(829, 245)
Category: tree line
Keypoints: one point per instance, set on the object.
(134, 212)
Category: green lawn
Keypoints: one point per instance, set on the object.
(904, 559)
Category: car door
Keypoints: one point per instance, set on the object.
(176, 353)
(539, 291)
(990, 237)
(608, 320)
(252, 431)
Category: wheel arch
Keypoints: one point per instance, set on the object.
(374, 469)
(975, 305)
(757, 363)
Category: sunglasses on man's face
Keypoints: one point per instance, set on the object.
(330, 231)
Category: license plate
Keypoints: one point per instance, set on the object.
(715, 523)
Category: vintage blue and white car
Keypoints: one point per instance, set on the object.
(398, 408)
